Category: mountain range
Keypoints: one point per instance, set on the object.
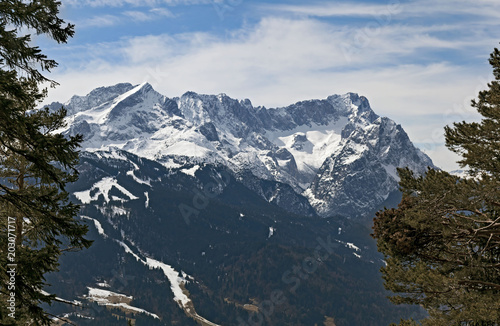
(207, 210)
(335, 154)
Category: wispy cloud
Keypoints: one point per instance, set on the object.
(100, 21)
(161, 12)
(153, 14)
(401, 8)
(139, 16)
(336, 9)
(125, 17)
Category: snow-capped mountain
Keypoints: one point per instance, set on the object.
(203, 208)
(336, 152)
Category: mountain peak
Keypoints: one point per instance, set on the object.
(96, 97)
(189, 94)
(145, 87)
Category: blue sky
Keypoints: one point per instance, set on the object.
(419, 62)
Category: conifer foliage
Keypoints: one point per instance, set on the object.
(37, 221)
(442, 243)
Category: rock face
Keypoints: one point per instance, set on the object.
(326, 157)
(361, 175)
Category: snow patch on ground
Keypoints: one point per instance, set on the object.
(97, 224)
(74, 302)
(352, 246)
(126, 306)
(175, 280)
(119, 211)
(112, 153)
(128, 250)
(100, 295)
(103, 187)
(67, 315)
(146, 203)
(349, 245)
(113, 299)
(191, 171)
(136, 179)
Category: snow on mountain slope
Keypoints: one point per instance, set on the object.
(337, 152)
(102, 188)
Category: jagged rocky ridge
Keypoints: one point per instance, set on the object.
(327, 157)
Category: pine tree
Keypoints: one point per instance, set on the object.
(36, 162)
(442, 242)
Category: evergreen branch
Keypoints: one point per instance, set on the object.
(489, 284)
